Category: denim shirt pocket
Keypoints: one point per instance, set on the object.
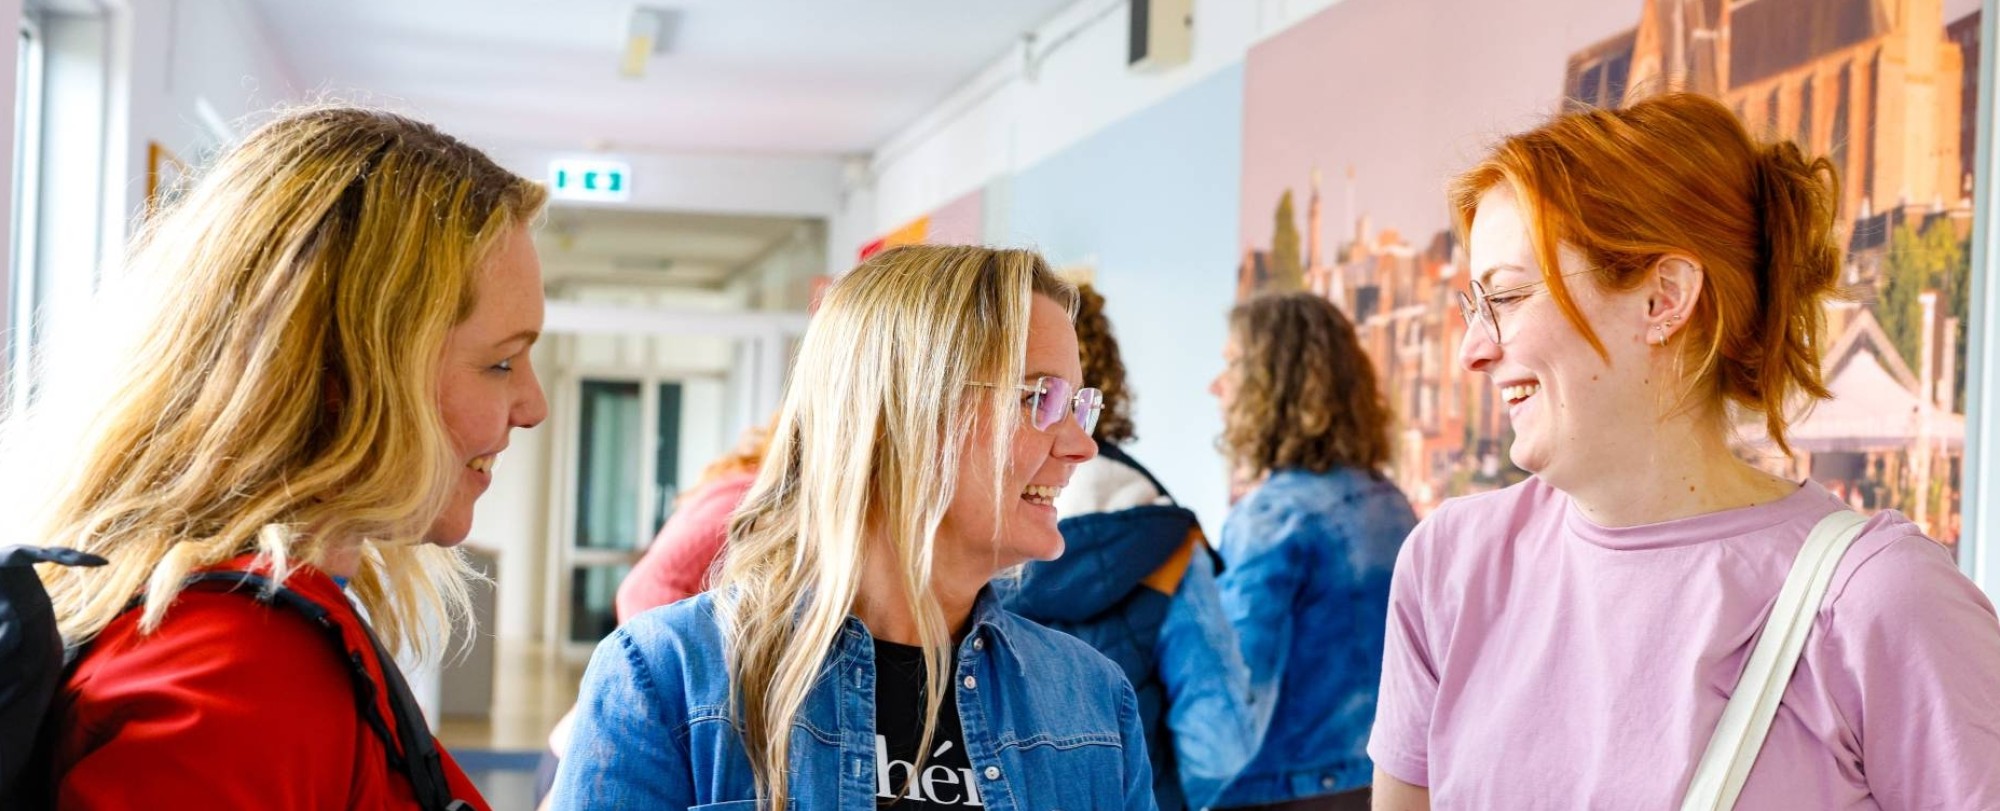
(1060, 743)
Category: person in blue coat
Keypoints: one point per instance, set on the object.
(1309, 548)
(1137, 582)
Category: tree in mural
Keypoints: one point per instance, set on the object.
(1287, 272)
(1919, 260)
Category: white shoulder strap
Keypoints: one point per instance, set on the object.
(1740, 734)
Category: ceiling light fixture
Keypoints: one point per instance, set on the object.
(649, 32)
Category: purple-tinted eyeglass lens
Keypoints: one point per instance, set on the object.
(1051, 402)
(1089, 403)
(1056, 396)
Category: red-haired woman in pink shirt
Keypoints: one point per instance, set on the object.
(1641, 278)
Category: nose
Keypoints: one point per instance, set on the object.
(531, 407)
(1476, 351)
(1215, 385)
(1073, 445)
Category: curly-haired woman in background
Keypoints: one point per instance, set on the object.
(1309, 549)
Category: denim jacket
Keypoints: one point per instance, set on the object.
(1048, 723)
(1179, 651)
(1309, 559)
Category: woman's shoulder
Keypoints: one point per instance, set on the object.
(1303, 506)
(1896, 576)
(222, 637)
(674, 656)
(214, 673)
(683, 630)
(1294, 490)
(1057, 657)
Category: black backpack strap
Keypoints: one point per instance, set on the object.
(423, 763)
(417, 759)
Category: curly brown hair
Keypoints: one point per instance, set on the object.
(1103, 367)
(1305, 394)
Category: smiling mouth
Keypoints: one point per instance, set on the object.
(483, 464)
(1044, 495)
(1518, 392)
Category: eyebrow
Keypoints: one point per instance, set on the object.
(1031, 376)
(1486, 276)
(528, 335)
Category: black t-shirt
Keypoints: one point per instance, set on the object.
(947, 780)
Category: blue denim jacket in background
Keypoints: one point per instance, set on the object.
(1309, 558)
(1049, 724)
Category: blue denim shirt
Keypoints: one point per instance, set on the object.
(1309, 558)
(1048, 722)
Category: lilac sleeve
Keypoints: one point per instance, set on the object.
(1915, 650)
(1400, 742)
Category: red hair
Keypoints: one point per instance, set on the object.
(1678, 175)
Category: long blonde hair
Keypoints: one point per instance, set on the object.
(264, 378)
(868, 446)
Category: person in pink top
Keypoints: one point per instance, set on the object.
(677, 565)
(1639, 277)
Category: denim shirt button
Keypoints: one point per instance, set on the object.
(971, 683)
(1326, 782)
(992, 772)
(978, 644)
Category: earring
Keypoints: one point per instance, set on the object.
(1659, 335)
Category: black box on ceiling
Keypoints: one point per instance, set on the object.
(1162, 34)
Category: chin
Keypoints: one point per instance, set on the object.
(1526, 456)
(1049, 550)
(449, 530)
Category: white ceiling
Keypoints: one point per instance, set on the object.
(793, 76)
(626, 247)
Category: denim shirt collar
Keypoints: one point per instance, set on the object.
(989, 620)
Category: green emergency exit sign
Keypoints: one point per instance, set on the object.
(590, 180)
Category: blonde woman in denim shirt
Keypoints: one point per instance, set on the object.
(1309, 549)
(851, 653)
(1137, 582)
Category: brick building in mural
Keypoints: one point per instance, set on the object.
(1451, 432)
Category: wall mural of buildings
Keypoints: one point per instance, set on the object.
(1884, 89)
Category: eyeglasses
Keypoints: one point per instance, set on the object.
(1477, 307)
(1050, 398)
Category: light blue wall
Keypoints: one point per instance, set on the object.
(1151, 204)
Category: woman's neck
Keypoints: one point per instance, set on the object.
(1687, 470)
(882, 606)
(341, 559)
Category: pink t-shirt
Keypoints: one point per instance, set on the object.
(1538, 660)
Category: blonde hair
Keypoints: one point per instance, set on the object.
(264, 379)
(867, 446)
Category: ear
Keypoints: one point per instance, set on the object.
(1676, 286)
